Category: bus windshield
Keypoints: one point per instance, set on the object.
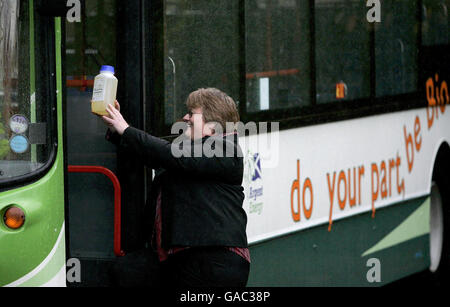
(23, 128)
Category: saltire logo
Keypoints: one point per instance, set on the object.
(257, 170)
(253, 182)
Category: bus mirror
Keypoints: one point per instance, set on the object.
(54, 8)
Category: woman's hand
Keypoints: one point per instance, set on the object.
(115, 120)
(117, 105)
(110, 126)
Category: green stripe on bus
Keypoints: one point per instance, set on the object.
(52, 268)
(317, 257)
(416, 225)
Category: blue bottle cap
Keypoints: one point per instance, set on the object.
(107, 68)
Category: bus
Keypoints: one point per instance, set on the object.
(347, 177)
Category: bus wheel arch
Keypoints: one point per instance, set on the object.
(440, 214)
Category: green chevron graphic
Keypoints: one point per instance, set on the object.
(415, 225)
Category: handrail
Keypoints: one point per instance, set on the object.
(117, 201)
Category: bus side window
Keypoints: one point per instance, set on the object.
(201, 49)
(396, 48)
(435, 22)
(277, 54)
(342, 50)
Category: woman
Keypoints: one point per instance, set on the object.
(199, 228)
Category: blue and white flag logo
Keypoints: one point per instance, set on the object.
(253, 182)
(257, 167)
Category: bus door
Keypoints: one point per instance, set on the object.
(107, 33)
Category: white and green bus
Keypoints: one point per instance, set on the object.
(350, 187)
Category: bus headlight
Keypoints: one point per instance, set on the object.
(14, 217)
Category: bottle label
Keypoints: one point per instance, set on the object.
(99, 90)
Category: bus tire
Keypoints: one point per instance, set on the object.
(439, 269)
(436, 227)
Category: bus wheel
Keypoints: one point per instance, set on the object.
(439, 230)
(436, 227)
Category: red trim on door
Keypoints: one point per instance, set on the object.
(117, 199)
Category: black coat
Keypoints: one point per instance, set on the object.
(201, 197)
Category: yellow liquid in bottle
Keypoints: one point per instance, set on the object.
(104, 93)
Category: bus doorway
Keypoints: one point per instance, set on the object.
(105, 35)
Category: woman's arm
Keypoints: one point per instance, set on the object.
(113, 137)
(157, 152)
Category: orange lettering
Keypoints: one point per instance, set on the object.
(430, 93)
(374, 193)
(418, 143)
(383, 180)
(439, 100)
(409, 145)
(342, 178)
(431, 102)
(331, 193)
(401, 186)
(296, 186)
(444, 99)
(352, 201)
(308, 185)
(444, 88)
(391, 166)
(360, 173)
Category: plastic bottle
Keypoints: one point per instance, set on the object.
(105, 90)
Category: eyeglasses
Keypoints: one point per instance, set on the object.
(190, 113)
